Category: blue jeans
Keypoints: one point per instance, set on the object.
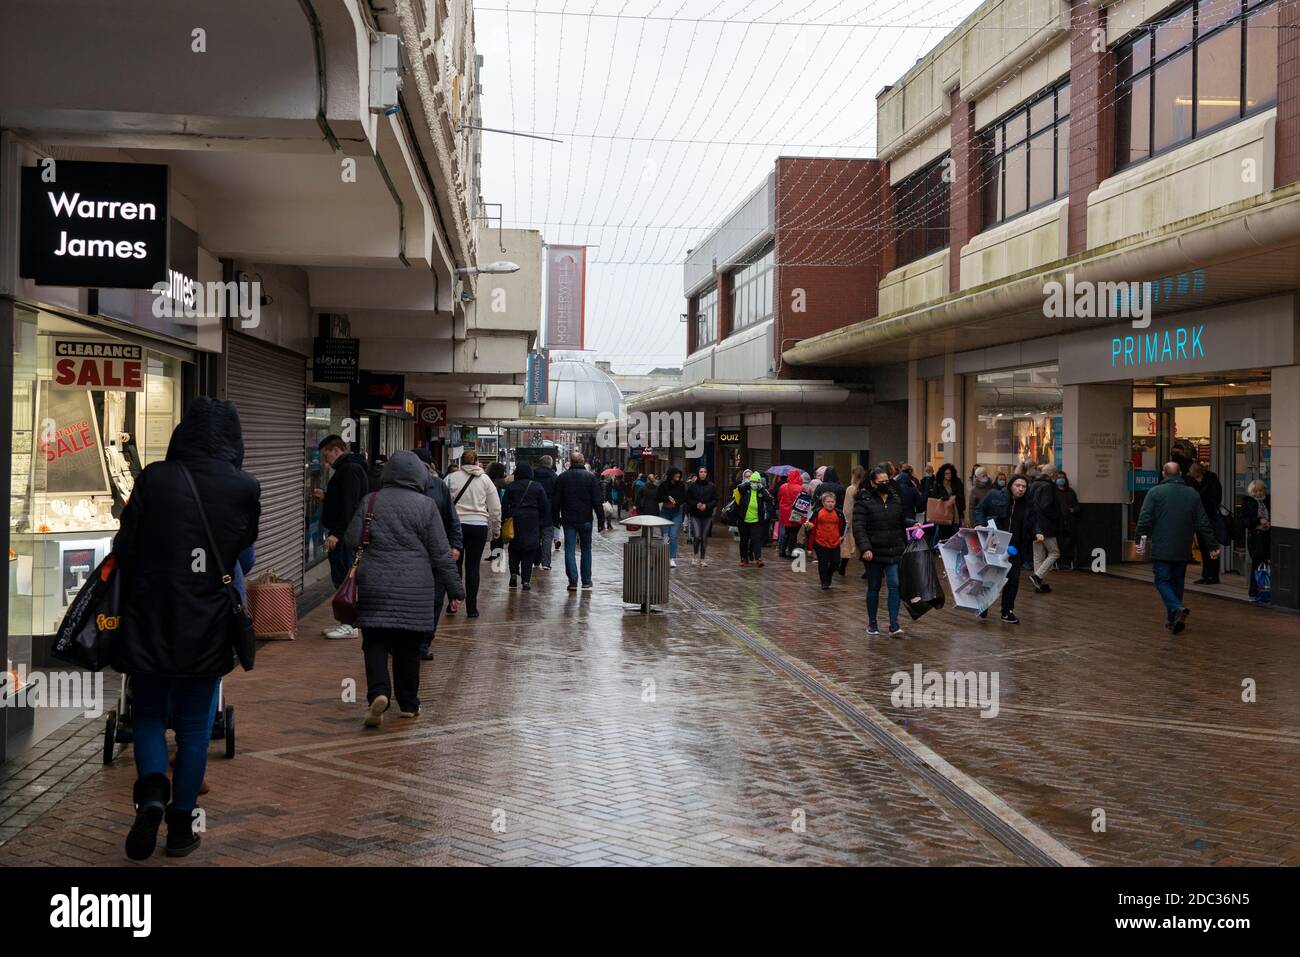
(1169, 578)
(191, 704)
(673, 515)
(875, 572)
(573, 533)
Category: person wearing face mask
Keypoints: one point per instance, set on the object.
(1255, 519)
(1012, 513)
(757, 511)
(1069, 502)
(981, 485)
(927, 481)
(879, 521)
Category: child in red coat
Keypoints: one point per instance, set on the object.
(825, 533)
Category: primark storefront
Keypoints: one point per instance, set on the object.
(1108, 404)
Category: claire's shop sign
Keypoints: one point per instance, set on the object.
(98, 365)
(102, 225)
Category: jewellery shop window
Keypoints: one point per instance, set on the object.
(90, 411)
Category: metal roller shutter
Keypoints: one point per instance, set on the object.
(269, 388)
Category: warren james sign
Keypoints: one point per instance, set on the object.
(94, 224)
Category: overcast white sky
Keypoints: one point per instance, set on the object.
(671, 112)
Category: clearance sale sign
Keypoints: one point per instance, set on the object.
(98, 365)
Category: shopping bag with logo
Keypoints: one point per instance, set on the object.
(89, 631)
(273, 606)
(801, 508)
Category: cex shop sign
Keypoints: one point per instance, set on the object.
(98, 365)
(432, 413)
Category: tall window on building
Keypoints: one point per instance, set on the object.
(1026, 156)
(1201, 67)
(921, 213)
(706, 317)
(751, 294)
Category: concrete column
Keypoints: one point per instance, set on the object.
(954, 402)
(915, 417)
(1284, 486)
(1096, 450)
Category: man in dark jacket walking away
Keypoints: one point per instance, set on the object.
(1047, 510)
(407, 557)
(441, 496)
(544, 475)
(174, 643)
(577, 499)
(347, 486)
(1171, 512)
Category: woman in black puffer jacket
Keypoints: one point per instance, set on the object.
(525, 501)
(879, 520)
(396, 601)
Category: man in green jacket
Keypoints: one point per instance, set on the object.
(1171, 513)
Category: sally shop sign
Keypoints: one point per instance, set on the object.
(100, 225)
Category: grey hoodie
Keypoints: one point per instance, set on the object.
(408, 550)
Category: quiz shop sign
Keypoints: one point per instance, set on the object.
(101, 225)
(98, 365)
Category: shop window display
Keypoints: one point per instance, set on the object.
(1017, 417)
(89, 413)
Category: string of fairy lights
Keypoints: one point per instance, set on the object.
(642, 216)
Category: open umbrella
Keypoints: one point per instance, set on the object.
(781, 470)
(608, 472)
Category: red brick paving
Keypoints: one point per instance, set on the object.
(534, 720)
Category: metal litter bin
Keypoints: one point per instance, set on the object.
(645, 563)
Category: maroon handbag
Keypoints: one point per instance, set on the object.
(346, 599)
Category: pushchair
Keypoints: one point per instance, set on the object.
(119, 728)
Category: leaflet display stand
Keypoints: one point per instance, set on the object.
(977, 562)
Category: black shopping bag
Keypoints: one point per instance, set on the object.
(90, 629)
(918, 582)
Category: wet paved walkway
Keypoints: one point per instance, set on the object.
(749, 723)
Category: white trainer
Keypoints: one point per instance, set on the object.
(342, 631)
(672, 562)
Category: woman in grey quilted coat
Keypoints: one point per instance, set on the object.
(396, 602)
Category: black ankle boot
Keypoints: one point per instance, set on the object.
(150, 794)
(181, 839)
